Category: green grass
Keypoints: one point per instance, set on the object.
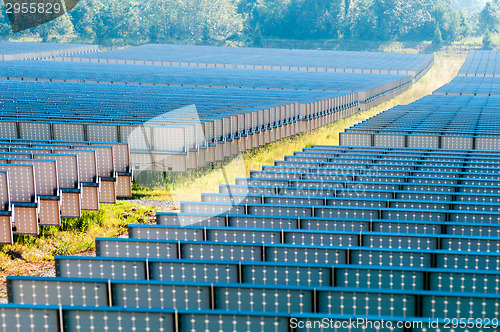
(31, 253)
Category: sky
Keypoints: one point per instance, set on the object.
(470, 5)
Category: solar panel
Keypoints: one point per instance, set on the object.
(22, 51)
(6, 217)
(22, 190)
(257, 58)
(401, 227)
(210, 122)
(100, 164)
(47, 188)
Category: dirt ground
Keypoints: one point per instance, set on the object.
(45, 269)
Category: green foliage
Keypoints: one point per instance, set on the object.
(75, 235)
(145, 21)
(437, 41)
(230, 22)
(257, 36)
(382, 20)
(487, 42)
(489, 17)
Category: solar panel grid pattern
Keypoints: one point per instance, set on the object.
(445, 118)
(373, 84)
(267, 58)
(27, 47)
(478, 86)
(481, 64)
(393, 233)
(94, 160)
(121, 103)
(213, 121)
(60, 190)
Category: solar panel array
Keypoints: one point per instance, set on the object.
(370, 87)
(475, 86)
(260, 58)
(24, 50)
(47, 180)
(382, 233)
(164, 132)
(459, 115)
(461, 122)
(298, 240)
(177, 118)
(335, 232)
(481, 64)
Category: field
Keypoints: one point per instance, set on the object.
(190, 185)
(33, 255)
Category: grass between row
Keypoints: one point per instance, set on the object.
(31, 255)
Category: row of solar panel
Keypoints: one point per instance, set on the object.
(112, 156)
(366, 99)
(475, 228)
(422, 153)
(419, 139)
(97, 162)
(310, 189)
(428, 120)
(370, 86)
(149, 294)
(309, 254)
(259, 58)
(182, 143)
(167, 105)
(352, 198)
(481, 64)
(50, 180)
(161, 100)
(469, 279)
(476, 86)
(340, 193)
(438, 121)
(403, 72)
(327, 238)
(204, 131)
(448, 123)
(175, 147)
(78, 319)
(446, 104)
(22, 51)
(361, 209)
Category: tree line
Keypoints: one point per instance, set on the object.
(249, 21)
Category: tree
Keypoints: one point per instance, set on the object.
(257, 36)
(248, 21)
(487, 43)
(437, 41)
(489, 17)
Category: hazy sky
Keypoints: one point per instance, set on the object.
(470, 5)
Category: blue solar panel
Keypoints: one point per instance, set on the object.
(25, 50)
(403, 233)
(277, 59)
(370, 86)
